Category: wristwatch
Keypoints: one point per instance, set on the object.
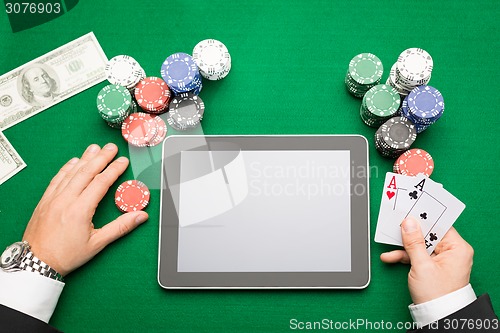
(18, 257)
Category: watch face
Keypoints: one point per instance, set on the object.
(11, 255)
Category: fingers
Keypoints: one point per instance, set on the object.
(89, 153)
(93, 194)
(66, 168)
(453, 240)
(86, 173)
(395, 257)
(413, 241)
(117, 229)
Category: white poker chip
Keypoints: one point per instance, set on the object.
(124, 70)
(414, 66)
(212, 58)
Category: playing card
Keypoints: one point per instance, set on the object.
(427, 201)
(436, 213)
(409, 195)
(394, 206)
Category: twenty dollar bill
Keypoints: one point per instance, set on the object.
(50, 79)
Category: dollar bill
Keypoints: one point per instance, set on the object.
(10, 161)
(50, 79)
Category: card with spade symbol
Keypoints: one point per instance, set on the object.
(427, 201)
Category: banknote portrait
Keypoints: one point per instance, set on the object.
(38, 85)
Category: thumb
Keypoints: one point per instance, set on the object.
(413, 241)
(118, 228)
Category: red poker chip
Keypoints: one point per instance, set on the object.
(414, 162)
(161, 133)
(138, 129)
(132, 196)
(152, 94)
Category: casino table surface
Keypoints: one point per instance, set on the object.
(289, 60)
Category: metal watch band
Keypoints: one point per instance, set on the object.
(31, 263)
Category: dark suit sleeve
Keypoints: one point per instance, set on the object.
(13, 321)
(479, 315)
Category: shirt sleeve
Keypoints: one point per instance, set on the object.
(439, 308)
(30, 293)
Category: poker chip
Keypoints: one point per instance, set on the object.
(181, 73)
(152, 95)
(425, 102)
(423, 107)
(131, 196)
(114, 104)
(113, 101)
(395, 136)
(117, 123)
(125, 71)
(364, 72)
(413, 162)
(414, 66)
(161, 132)
(185, 111)
(198, 83)
(138, 129)
(380, 103)
(212, 58)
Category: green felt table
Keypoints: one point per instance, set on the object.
(289, 62)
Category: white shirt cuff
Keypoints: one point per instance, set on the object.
(30, 293)
(439, 308)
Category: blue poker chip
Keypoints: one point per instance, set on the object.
(426, 102)
(197, 84)
(420, 117)
(421, 124)
(180, 72)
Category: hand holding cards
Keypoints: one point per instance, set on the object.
(427, 201)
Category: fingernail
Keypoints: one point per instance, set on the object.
(74, 160)
(109, 146)
(410, 225)
(141, 218)
(122, 159)
(93, 148)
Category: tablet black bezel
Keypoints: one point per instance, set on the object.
(359, 277)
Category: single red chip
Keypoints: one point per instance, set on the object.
(152, 94)
(414, 162)
(161, 133)
(139, 129)
(132, 196)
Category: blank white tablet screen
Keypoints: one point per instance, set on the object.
(265, 211)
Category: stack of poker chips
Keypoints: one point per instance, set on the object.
(152, 95)
(380, 103)
(114, 104)
(212, 58)
(144, 130)
(413, 68)
(364, 72)
(413, 162)
(423, 107)
(395, 136)
(186, 111)
(181, 74)
(125, 71)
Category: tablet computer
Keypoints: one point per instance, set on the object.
(277, 211)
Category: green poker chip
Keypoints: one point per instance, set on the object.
(380, 103)
(366, 68)
(382, 100)
(364, 72)
(114, 102)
